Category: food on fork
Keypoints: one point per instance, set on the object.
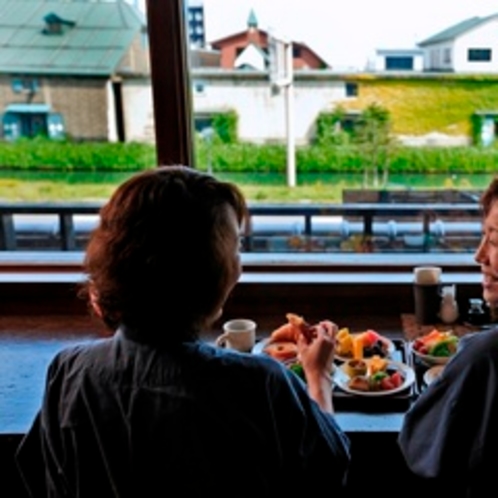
(282, 343)
(295, 326)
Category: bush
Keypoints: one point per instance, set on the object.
(225, 127)
(44, 155)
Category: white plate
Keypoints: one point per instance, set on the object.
(390, 348)
(429, 360)
(259, 346)
(433, 373)
(341, 379)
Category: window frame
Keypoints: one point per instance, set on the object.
(171, 90)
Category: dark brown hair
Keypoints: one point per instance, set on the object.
(157, 261)
(489, 196)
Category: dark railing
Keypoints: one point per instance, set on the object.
(374, 227)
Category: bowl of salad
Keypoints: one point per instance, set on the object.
(435, 348)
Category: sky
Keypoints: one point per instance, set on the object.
(346, 33)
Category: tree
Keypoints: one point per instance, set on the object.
(373, 136)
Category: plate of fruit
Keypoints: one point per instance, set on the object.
(435, 348)
(374, 376)
(362, 345)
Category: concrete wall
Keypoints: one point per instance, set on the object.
(83, 103)
(138, 110)
(262, 110)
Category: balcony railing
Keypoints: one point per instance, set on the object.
(291, 228)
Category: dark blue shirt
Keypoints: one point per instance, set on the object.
(125, 419)
(451, 432)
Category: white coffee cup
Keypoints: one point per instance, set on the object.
(427, 275)
(238, 334)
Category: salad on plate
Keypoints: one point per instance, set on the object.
(436, 347)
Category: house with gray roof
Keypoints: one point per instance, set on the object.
(64, 66)
(467, 47)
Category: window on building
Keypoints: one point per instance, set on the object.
(31, 120)
(199, 87)
(479, 55)
(25, 84)
(447, 56)
(351, 89)
(350, 121)
(399, 63)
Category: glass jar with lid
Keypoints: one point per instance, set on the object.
(476, 314)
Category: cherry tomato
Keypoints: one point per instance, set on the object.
(396, 379)
(417, 344)
(386, 384)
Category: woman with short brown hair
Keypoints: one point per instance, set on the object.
(156, 411)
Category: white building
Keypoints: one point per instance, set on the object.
(411, 59)
(260, 109)
(470, 46)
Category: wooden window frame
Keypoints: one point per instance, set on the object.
(171, 85)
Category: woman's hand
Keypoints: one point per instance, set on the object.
(317, 356)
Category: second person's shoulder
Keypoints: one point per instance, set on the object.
(480, 342)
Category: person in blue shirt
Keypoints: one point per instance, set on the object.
(450, 435)
(154, 410)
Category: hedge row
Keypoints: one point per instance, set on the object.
(246, 158)
(48, 155)
(45, 155)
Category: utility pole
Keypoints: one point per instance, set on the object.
(282, 77)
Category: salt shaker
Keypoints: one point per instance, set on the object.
(448, 311)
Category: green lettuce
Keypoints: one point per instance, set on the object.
(445, 347)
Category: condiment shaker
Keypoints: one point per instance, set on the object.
(449, 307)
(476, 314)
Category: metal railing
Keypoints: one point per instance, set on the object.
(283, 227)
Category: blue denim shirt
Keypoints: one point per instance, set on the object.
(451, 432)
(125, 419)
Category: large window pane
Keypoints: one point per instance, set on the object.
(76, 98)
(255, 101)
